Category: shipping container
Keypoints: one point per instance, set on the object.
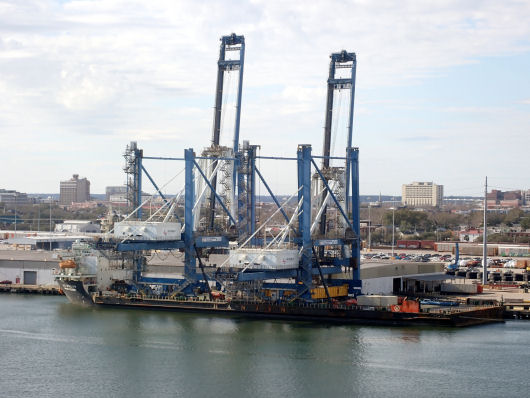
(427, 244)
(401, 244)
(413, 244)
(334, 291)
(410, 244)
(472, 249)
(444, 247)
(514, 251)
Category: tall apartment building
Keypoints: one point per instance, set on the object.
(75, 190)
(422, 194)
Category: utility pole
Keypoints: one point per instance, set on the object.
(15, 213)
(393, 229)
(393, 223)
(369, 228)
(485, 236)
(50, 200)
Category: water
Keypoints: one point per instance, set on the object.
(50, 348)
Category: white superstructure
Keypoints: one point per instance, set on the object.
(147, 230)
(265, 259)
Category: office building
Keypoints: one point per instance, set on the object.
(75, 190)
(420, 194)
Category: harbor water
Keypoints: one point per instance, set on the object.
(50, 348)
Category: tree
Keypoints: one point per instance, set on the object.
(513, 216)
(409, 220)
(525, 222)
(495, 219)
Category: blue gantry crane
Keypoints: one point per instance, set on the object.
(324, 256)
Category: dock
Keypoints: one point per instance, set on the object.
(31, 289)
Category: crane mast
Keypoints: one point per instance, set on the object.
(340, 60)
(229, 43)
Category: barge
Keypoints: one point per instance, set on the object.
(341, 312)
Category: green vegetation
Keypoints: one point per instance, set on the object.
(409, 221)
(438, 225)
(504, 238)
(28, 216)
(525, 222)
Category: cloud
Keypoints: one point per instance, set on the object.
(113, 70)
(418, 138)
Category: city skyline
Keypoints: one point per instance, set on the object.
(442, 89)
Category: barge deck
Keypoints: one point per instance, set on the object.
(323, 312)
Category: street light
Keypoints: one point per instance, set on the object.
(393, 228)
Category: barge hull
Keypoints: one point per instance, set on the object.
(309, 313)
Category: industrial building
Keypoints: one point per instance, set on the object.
(505, 200)
(75, 190)
(392, 278)
(422, 194)
(115, 191)
(28, 267)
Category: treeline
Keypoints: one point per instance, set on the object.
(437, 225)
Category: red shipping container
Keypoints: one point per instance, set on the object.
(413, 244)
(427, 244)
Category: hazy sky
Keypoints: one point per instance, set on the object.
(443, 87)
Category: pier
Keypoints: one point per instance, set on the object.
(30, 289)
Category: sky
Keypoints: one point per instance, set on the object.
(442, 88)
